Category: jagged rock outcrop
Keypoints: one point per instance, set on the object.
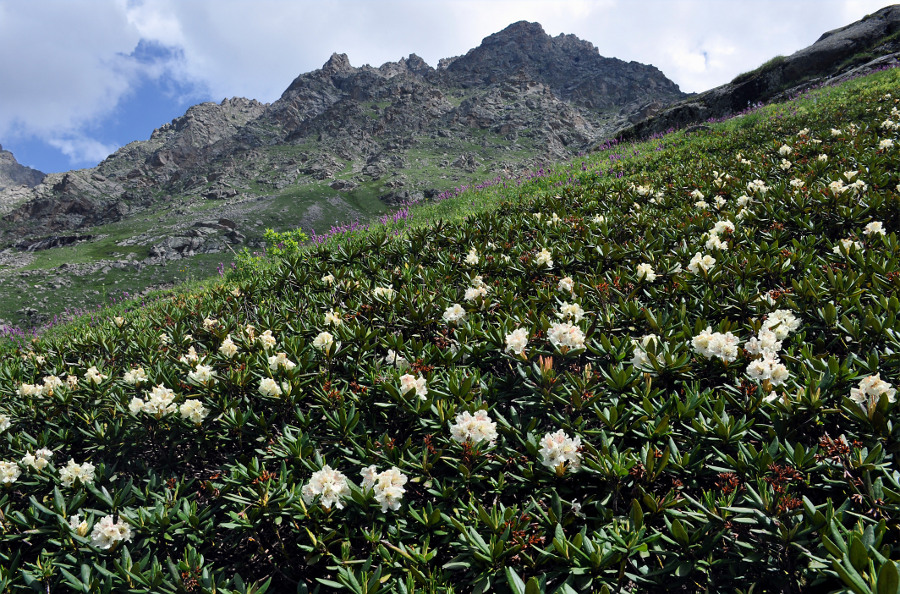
(13, 174)
(872, 40)
(571, 68)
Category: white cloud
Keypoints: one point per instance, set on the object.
(82, 150)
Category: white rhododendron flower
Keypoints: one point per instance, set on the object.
(641, 358)
(757, 186)
(398, 361)
(72, 471)
(323, 341)
(885, 144)
(472, 257)
(516, 341)
(38, 460)
(106, 533)
(784, 150)
(4, 422)
(9, 472)
(823, 158)
(267, 340)
(544, 258)
(329, 486)
(160, 401)
(333, 318)
(768, 368)
(570, 311)
(193, 410)
(716, 344)
(796, 183)
(870, 390)
(136, 376)
(565, 335)
(473, 428)
(190, 357)
(29, 390)
(473, 293)
(723, 227)
(269, 387)
(847, 246)
(202, 375)
(119, 321)
(836, 132)
(645, 272)
(560, 452)
(280, 361)
(454, 313)
(94, 376)
(701, 262)
(874, 228)
(782, 322)
(387, 486)
(697, 195)
(210, 324)
(566, 285)
(785, 164)
(77, 525)
(765, 342)
(385, 293)
(410, 383)
(599, 219)
(228, 348)
(328, 279)
(51, 383)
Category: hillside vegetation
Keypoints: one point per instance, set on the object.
(667, 366)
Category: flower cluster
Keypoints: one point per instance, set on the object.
(641, 360)
(73, 471)
(716, 344)
(387, 486)
(160, 401)
(328, 486)
(9, 472)
(560, 452)
(566, 336)
(107, 533)
(473, 428)
(870, 390)
(411, 383)
(701, 262)
(516, 341)
(38, 460)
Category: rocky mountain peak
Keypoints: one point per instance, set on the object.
(337, 63)
(571, 67)
(12, 173)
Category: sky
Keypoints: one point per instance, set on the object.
(79, 79)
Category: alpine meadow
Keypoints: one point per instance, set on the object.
(667, 365)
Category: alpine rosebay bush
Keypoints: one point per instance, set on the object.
(681, 376)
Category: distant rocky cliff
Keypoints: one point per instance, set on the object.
(868, 44)
(522, 95)
(13, 174)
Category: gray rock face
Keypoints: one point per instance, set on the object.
(833, 54)
(571, 68)
(13, 174)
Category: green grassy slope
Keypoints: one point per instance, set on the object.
(652, 420)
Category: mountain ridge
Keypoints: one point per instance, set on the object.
(517, 83)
